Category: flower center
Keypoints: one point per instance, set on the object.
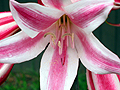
(63, 34)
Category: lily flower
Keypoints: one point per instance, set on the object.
(67, 25)
(102, 82)
(7, 28)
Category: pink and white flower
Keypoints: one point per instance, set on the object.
(7, 28)
(68, 26)
(102, 82)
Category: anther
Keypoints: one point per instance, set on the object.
(59, 44)
(49, 33)
(66, 34)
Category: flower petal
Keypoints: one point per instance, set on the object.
(33, 18)
(7, 28)
(7, 25)
(58, 4)
(116, 5)
(94, 55)
(73, 1)
(118, 77)
(20, 47)
(104, 82)
(5, 18)
(117, 1)
(5, 31)
(5, 14)
(89, 14)
(58, 72)
(90, 82)
(4, 71)
(40, 2)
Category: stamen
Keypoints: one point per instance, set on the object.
(68, 30)
(53, 40)
(72, 40)
(61, 35)
(63, 26)
(59, 44)
(68, 25)
(72, 37)
(66, 34)
(60, 47)
(59, 21)
(64, 19)
(49, 33)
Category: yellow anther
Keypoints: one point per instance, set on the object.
(59, 44)
(49, 33)
(66, 34)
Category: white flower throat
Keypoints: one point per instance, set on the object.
(62, 34)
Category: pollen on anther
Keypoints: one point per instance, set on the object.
(59, 44)
(66, 34)
(49, 33)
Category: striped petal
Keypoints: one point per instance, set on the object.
(102, 82)
(4, 71)
(94, 55)
(116, 5)
(7, 25)
(5, 17)
(58, 72)
(58, 4)
(90, 82)
(40, 2)
(117, 1)
(20, 47)
(5, 14)
(7, 28)
(33, 18)
(89, 14)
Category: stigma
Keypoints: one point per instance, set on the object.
(62, 34)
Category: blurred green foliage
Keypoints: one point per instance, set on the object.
(21, 81)
(28, 81)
